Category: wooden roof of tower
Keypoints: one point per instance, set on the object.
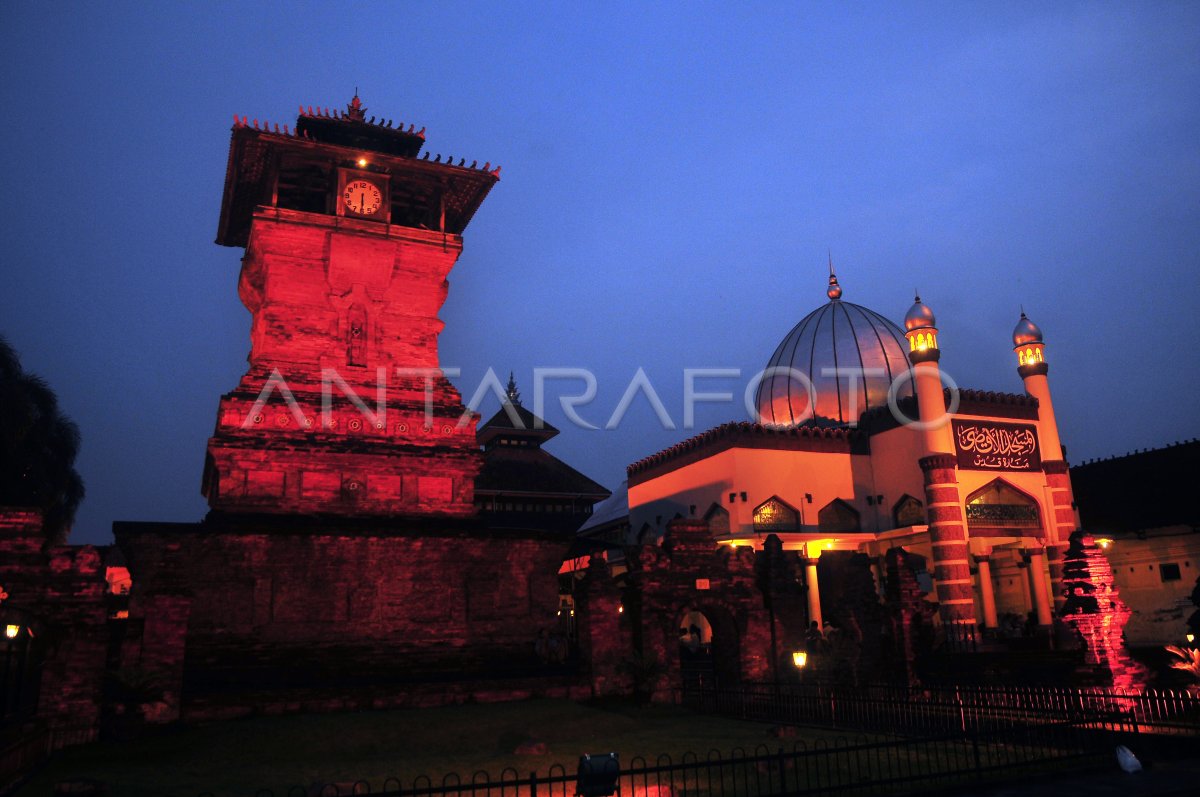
(325, 140)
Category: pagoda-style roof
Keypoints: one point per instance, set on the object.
(513, 422)
(274, 167)
(533, 472)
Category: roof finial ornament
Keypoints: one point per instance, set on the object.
(834, 291)
(511, 394)
(355, 110)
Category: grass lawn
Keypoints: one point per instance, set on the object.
(241, 756)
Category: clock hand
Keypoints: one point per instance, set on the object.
(362, 202)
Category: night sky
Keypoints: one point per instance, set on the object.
(673, 179)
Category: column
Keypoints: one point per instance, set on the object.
(1058, 481)
(814, 593)
(987, 594)
(1038, 586)
(877, 574)
(1054, 556)
(948, 534)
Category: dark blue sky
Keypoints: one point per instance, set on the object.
(673, 175)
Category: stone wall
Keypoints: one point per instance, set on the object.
(59, 591)
(260, 612)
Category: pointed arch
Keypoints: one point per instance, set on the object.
(775, 514)
(908, 511)
(999, 504)
(838, 515)
(717, 518)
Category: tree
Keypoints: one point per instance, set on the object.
(38, 446)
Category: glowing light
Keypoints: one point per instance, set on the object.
(11, 631)
(362, 162)
(620, 609)
(1191, 638)
(1104, 542)
(1030, 354)
(799, 658)
(921, 341)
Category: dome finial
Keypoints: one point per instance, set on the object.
(834, 291)
(919, 316)
(1026, 331)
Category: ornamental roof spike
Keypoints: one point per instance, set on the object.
(496, 172)
(277, 127)
(474, 164)
(285, 131)
(236, 122)
(372, 121)
(255, 124)
(302, 109)
(426, 156)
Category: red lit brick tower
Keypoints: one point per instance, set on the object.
(349, 236)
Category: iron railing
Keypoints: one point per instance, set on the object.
(844, 767)
(934, 710)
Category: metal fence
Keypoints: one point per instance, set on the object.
(844, 767)
(936, 710)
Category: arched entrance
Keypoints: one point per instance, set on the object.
(708, 647)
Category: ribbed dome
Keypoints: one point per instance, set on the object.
(1026, 332)
(838, 334)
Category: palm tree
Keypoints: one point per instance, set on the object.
(38, 446)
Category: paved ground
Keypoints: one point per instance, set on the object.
(1165, 779)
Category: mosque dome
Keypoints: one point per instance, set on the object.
(837, 335)
(1026, 332)
(919, 316)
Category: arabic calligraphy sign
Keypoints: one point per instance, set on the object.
(985, 445)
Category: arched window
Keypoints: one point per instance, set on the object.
(837, 515)
(908, 511)
(1000, 505)
(775, 515)
(717, 518)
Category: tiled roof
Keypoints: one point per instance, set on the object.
(754, 435)
(532, 471)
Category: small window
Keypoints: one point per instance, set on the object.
(775, 515)
(718, 520)
(1169, 571)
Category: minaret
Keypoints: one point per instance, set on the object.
(349, 237)
(1032, 366)
(947, 530)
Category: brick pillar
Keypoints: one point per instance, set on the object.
(948, 533)
(164, 637)
(603, 636)
(1058, 479)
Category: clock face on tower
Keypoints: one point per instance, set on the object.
(362, 197)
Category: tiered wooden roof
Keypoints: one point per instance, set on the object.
(273, 166)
